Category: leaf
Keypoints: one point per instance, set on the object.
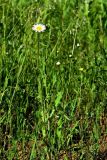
(58, 99)
(59, 134)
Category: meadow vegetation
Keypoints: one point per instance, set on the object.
(51, 110)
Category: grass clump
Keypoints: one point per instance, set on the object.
(53, 84)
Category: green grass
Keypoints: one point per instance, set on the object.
(49, 112)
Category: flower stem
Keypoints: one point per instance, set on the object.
(38, 37)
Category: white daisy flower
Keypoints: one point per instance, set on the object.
(39, 27)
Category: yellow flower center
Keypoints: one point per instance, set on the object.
(39, 28)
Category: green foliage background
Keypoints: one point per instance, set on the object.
(49, 111)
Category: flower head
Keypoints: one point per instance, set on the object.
(78, 44)
(70, 55)
(81, 69)
(39, 27)
(58, 63)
